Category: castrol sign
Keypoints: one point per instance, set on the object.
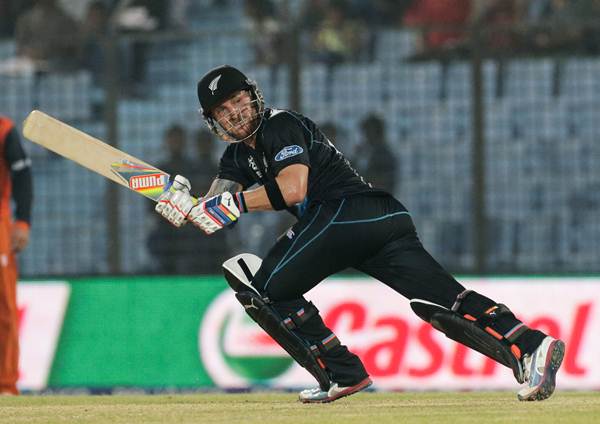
(399, 350)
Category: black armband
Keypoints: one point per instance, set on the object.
(275, 196)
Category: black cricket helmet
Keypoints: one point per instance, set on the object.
(216, 86)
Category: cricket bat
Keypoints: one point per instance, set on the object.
(95, 155)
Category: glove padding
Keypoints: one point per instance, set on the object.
(214, 213)
(176, 202)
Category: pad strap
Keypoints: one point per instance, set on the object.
(513, 334)
(459, 300)
(329, 343)
(298, 318)
(307, 354)
(489, 319)
(275, 196)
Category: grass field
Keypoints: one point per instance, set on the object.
(267, 408)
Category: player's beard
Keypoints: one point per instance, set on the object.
(241, 123)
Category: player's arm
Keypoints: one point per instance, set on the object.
(288, 149)
(288, 189)
(213, 211)
(291, 182)
(22, 189)
(220, 186)
(225, 201)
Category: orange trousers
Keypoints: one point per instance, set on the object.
(9, 323)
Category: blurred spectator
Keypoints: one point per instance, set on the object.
(500, 16)
(187, 250)
(139, 16)
(179, 158)
(376, 161)
(442, 23)
(78, 8)
(373, 17)
(216, 245)
(49, 37)
(590, 12)
(563, 25)
(9, 11)
(338, 38)
(142, 15)
(265, 31)
(534, 10)
(178, 14)
(312, 14)
(6, 19)
(330, 130)
(180, 250)
(381, 13)
(205, 169)
(336, 135)
(94, 29)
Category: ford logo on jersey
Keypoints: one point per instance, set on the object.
(288, 152)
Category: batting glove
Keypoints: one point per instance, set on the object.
(176, 202)
(215, 213)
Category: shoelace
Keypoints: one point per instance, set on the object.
(314, 390)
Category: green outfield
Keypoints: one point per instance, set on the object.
(267, 408)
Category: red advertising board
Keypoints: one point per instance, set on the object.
(400, 351)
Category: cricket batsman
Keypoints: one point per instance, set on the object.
(280, 160)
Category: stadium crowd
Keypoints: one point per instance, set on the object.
(64, 34)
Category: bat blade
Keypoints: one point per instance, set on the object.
(94, 154)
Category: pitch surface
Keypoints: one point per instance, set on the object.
(482, 407)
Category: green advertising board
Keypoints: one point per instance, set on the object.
(133, 331)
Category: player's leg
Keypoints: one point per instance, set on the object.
(346, 371)
(297, 262)
(314, 249)
(464, 315)
(9, 333)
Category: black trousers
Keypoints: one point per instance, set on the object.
(370, 232)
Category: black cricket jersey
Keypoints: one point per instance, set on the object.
(285, 138)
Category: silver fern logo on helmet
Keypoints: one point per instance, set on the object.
(214, 85)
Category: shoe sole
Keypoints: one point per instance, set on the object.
(346, 392)
(553, 362)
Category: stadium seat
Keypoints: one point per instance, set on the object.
(65, 96)
(529, 78)
(7, 49)
(392, 46)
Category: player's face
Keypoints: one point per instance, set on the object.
(238, 115)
